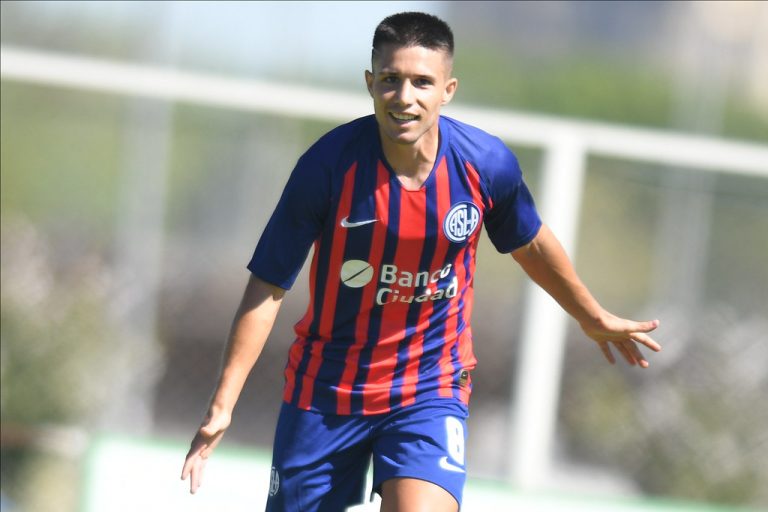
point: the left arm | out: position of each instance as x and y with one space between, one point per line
547 264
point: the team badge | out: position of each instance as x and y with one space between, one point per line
461 221
274 481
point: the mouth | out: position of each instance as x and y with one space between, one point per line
401 118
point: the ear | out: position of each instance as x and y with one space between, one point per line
369 82
450 90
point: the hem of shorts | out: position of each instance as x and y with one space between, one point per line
377 486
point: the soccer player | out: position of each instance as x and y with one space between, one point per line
380 369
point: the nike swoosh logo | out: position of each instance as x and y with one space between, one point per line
450 466
346 224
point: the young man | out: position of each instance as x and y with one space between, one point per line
393 204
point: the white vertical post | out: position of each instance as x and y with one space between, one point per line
139 242
537 383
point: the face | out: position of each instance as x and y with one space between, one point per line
408 86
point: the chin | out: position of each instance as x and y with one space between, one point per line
405 139
400 136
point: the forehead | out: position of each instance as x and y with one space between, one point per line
416 60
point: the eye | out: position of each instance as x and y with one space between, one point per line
389 79
422 82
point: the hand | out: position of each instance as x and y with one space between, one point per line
625 335
202 446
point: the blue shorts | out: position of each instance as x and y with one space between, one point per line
320 461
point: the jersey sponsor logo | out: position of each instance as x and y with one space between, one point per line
461 221
409 282
346 223
397 285
356 273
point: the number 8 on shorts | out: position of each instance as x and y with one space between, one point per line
455 435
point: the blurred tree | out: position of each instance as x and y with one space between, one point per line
56 360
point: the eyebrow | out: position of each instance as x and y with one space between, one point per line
389 71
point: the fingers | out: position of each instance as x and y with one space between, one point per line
186 469
627 353
647 341
626 336
208 436
206 439
193 469
628 350
606 350
636 354
197 475
197 454
638 327
192 454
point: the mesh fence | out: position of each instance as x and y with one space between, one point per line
690 427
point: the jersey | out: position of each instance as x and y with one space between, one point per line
391 278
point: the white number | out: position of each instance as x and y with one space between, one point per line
455 432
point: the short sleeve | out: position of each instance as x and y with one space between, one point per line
296 223
512 221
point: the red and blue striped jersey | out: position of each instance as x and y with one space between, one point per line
391 278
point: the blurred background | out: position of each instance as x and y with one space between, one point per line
127 222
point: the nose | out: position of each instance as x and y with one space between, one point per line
405 92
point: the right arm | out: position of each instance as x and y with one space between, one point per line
250 329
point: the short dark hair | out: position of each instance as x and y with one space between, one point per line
408 29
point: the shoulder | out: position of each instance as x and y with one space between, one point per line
321 169
343 141
487 153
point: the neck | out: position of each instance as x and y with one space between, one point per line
412 163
